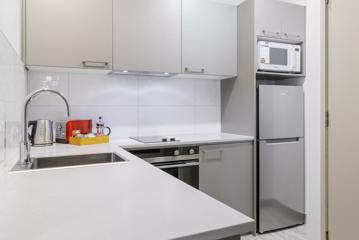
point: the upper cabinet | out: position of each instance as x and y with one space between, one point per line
147 35
209 38
293 21
267 17
68 33
279 19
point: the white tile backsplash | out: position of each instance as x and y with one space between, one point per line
13 131
207 119
207 92
134 105
103 90
2 131
166 92
155 120
55 81
121 119
55 112
12 93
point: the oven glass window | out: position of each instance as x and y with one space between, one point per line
278 56
188 175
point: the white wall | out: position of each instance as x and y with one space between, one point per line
10 22
132 105
315 105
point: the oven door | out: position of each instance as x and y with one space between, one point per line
186 171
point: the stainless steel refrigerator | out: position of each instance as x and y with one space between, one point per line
280 157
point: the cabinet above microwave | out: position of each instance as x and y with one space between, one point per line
279 19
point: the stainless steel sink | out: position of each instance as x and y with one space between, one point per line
65 161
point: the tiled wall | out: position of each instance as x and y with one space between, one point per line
132 105
12 93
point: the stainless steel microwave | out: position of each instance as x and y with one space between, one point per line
279 57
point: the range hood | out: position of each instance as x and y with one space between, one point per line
142 73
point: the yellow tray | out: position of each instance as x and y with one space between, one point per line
89 141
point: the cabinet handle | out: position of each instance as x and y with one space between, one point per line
281 141
292 36
94 64
205 152
194 70
273 34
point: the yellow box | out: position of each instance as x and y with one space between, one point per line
89 141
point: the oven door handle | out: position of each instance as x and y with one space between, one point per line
181 165
171 158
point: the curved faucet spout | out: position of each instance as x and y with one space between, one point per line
28 100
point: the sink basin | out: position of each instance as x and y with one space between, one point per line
65 161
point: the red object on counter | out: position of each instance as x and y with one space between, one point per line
84 126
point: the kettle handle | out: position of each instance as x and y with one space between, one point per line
33 125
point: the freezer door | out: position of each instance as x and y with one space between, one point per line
281 111
281 184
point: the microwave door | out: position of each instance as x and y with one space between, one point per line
279 56
273 57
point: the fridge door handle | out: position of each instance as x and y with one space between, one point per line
281 141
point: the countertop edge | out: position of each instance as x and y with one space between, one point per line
186 143
222 233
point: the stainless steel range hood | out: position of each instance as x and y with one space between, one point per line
142 73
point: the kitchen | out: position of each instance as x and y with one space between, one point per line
176 90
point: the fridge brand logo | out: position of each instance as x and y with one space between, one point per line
283 94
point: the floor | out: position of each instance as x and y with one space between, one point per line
290 234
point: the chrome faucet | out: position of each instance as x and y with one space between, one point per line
28 100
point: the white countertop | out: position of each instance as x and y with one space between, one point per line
125 200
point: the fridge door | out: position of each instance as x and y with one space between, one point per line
281 111
281 184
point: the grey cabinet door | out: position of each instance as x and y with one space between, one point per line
281 111
281 184
147 35
275 18
67 33
268 18
226 174
209 36
293 21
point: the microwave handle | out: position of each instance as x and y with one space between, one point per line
294 59
291 59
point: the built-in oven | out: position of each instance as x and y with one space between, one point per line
180 162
